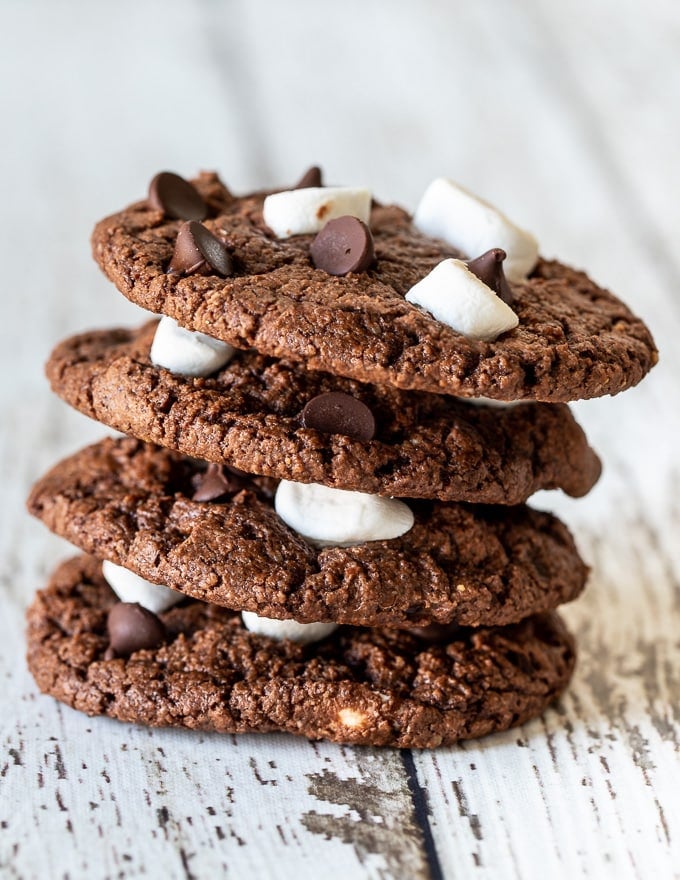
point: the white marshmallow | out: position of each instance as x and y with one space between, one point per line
300 211
455 296
473 226
130 587
330 517
187 352
287 629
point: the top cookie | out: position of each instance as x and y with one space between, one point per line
573 340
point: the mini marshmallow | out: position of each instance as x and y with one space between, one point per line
473 226
304 633
300 211
455 296
329 517
130 587
186 352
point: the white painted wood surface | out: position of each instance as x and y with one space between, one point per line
566 116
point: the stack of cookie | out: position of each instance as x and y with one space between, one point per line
317 521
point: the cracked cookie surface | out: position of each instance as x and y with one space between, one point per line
130 502
574 340
374 687
249 415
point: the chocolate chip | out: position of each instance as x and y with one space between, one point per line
339 413
197 249
176 197
311 177
343 245
214 482
437 633
132 628
489 269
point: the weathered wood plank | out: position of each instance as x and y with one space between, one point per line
563 115
107 799
591 790
596 779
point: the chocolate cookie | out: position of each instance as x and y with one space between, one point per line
574 339
373 687
251 414
130 503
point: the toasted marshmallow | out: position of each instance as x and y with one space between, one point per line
287 629
301 211
330 517
473 226
130 587
186 352
455 296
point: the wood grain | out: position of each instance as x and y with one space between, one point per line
566 116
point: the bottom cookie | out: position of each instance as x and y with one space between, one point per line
377 686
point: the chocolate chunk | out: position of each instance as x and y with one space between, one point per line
311 177
489 269
198 249
437 633
176 197
133 628
343 245
220 482
216 481
339 413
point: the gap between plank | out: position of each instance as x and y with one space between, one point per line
422 814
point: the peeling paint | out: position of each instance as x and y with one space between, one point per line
378 820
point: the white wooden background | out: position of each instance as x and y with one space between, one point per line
566 116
